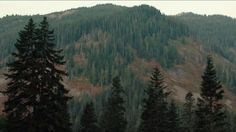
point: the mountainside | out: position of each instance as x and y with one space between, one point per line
106 40
217 34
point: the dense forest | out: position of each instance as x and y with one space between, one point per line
217 33
115 48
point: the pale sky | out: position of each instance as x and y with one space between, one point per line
167 7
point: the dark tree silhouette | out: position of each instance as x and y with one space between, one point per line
18 107
188 117
89 119
50 110
37 100
210 112
113 117
154 117
173 118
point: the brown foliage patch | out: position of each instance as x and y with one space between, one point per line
78 85
81 60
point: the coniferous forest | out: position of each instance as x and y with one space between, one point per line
118 69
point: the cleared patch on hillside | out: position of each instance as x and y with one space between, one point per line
80 59
184 77
79 85
96 39
142 68
187 76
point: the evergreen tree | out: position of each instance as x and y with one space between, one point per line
173 119
37 100
211 116
3 123
18 106
154 117
89 119
188 113
233 122
50 107
113 117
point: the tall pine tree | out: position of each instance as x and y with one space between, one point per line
154 117
113 117
88 121
18 107
37 100
210 111
173 118
188 117
50 109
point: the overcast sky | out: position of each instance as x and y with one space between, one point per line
168 7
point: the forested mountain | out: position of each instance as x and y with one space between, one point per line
107 40
217 34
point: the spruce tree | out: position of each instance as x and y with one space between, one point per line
37 100
113 117
188 117
18 107
50 108
173 118
233 122
88 121
154 117
210 112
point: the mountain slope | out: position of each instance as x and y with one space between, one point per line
106 40
217 35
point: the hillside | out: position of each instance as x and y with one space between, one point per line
106 40
217 34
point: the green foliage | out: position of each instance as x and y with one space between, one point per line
141 29
188 116
51 93
210 112
216 33
37 100
113 117
88 119
109 38
3 123
17 91
233 122
173 118
154 117
76 106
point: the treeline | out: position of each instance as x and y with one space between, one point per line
132 32
217 33
160 113
117 39
109 39
36 97
140 31
150 40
